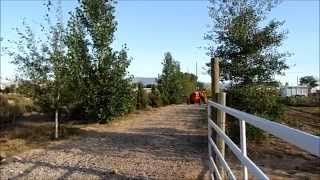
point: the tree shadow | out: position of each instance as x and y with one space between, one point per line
101 173
159 142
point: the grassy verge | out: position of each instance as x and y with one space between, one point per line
38 132
303 118
31 136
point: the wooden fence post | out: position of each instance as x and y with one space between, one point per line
215 77
221 122
220 116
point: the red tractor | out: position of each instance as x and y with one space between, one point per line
198 97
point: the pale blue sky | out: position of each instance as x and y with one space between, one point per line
150 28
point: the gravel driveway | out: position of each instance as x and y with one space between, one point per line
163 143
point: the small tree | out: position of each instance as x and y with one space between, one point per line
155 97
142 97
248 52
189 83
170 81
110 91
309 81
42 61
258 99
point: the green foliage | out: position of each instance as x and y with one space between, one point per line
42 61
25 104
189 83
260 100
113 93
200 85
306 101
155 97
170 81
248 52
80 67
11 108
310 81
76 66
142 97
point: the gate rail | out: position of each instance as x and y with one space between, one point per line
303 140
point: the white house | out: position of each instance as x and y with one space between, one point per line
287 91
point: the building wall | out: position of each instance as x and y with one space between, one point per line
288 91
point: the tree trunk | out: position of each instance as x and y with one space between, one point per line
56 134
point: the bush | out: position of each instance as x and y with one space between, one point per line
25 103
9 111
142 97
260 100
155 97
4 108
309 101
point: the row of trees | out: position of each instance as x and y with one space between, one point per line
74 68
173 86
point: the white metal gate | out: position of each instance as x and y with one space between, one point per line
305 141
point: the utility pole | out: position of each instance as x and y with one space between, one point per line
197 69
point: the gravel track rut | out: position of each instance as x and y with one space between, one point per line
163 143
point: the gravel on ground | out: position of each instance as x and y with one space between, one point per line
164 143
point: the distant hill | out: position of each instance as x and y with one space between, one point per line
145 80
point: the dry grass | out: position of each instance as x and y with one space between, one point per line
31 136
35 133
303 118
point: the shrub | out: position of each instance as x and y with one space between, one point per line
10 111
155 97
260 100
142 97
25 103
301 101
4 108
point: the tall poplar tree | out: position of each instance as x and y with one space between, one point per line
248 49
170 81
113 91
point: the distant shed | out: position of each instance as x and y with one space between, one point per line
288 91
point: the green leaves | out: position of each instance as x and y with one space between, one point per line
258 99
142 97
155 97
248 51
76 66
107 88
310 81
170 81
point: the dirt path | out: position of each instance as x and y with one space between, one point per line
164 143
